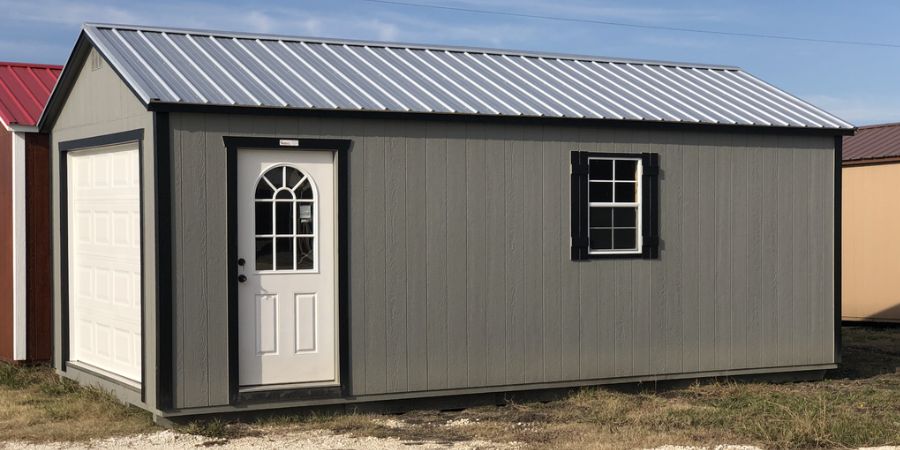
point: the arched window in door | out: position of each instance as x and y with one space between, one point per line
285 222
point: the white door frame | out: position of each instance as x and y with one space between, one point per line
341 149
62 186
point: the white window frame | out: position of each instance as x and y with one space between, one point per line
637 203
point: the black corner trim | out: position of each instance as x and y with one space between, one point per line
342 148
838 251
165 392
136 135
580 241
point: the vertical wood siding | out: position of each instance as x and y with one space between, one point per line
459 243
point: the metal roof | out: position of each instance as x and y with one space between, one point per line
222 68
24 90
873 142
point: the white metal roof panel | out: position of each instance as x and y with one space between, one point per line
221 68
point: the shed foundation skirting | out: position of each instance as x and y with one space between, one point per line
463 398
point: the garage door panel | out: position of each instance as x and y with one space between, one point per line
106 265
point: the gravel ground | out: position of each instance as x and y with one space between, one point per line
313 440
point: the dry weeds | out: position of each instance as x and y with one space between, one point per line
856 406
37 406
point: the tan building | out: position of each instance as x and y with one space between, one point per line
871 242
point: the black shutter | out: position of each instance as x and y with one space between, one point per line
650 205
580 239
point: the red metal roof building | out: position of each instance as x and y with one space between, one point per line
24 90
872 144
25 333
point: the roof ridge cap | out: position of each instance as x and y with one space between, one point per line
386 44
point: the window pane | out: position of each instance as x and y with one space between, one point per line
600 192
601 239
276 176
601 169
284 218
305 253
626 170
304 218
625 217
263 218
284 253
304 191
625 238
284 195
601 217
293 176
263 190
626 192
264 254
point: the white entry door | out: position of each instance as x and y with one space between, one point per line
105 259
286 291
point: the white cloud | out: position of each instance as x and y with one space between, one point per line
592 11
859 110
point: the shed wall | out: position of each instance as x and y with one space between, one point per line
38 237
459 255
100 104
871 243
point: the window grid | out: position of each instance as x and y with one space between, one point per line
613 205
302 243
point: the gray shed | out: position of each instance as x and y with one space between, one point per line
253 222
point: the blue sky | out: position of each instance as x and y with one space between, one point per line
857 83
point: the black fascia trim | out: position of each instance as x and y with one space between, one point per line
342 149
165 374
64 84
579 207
84 144
838 252
479 118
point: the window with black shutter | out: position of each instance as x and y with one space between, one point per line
614 205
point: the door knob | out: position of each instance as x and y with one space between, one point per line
242 278
241 262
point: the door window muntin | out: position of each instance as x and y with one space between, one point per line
304 213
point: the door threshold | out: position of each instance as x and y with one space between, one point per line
284 387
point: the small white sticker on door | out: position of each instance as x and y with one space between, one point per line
289 143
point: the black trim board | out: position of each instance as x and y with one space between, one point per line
342 149
85 144
165 392
194 108
838 254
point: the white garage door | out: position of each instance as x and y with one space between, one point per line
105 259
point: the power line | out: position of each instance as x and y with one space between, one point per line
631 25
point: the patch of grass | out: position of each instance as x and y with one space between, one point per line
36 405
215 429
856 406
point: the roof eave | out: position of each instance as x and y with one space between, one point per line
164 106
